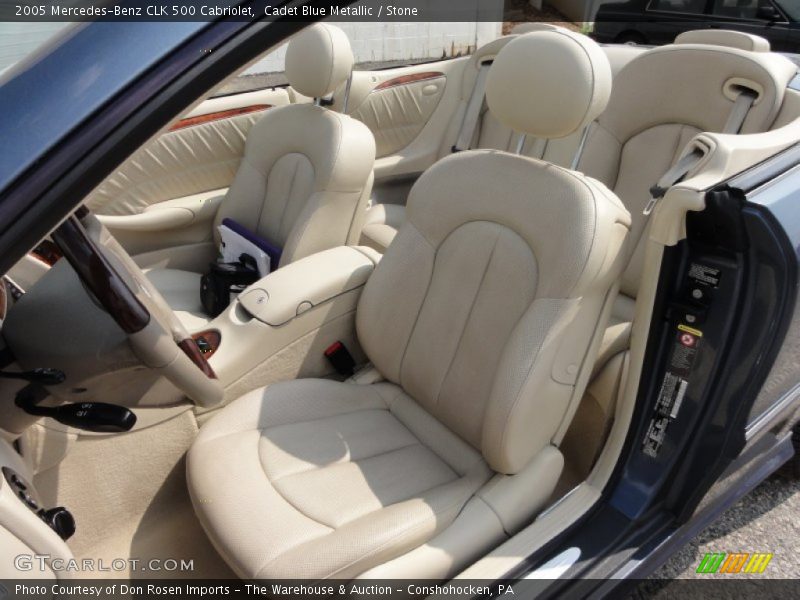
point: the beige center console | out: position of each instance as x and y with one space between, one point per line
279 327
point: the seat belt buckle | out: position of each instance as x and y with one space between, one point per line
656 193
454 149
341 359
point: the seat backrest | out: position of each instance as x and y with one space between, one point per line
485 306
489 133
662 99
306 174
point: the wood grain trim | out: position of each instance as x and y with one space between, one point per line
47 252
216 116
214 339
406 79
100 276
190 349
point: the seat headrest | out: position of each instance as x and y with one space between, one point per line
695 85
318 60
548 84
724 37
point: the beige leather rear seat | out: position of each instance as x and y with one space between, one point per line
659 102
383 220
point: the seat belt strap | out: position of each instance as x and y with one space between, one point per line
677 172
473 110
741 108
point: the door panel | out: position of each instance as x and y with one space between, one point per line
408 110
398 109
201 152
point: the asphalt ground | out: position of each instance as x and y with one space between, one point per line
767 520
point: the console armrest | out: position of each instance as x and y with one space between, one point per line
291 290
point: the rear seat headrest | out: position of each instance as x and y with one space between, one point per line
548 84
695 85
724 37
318 60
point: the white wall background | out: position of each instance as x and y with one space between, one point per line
372 42
377 42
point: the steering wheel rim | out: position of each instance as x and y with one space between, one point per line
156 335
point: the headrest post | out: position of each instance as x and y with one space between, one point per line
346 101
576 159
520 143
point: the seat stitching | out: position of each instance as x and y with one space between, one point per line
296 235
285 499
289 197
478 456
347 462
376 550
262 429
469 315
518 394
402 533
315 419
457 477
421 305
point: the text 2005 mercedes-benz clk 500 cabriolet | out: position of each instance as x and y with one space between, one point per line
529 312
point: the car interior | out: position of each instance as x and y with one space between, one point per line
436 373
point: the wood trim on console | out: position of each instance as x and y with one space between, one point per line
406 79
212 337
216 116
190 349
47 252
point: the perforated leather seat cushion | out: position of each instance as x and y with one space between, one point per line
327 479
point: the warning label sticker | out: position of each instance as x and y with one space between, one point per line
704 274
673 387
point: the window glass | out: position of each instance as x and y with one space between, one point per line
791 8
735 9
695 7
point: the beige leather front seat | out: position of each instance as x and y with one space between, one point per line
306 174
483 317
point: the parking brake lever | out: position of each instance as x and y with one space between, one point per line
90 416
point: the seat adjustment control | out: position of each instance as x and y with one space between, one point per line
59 519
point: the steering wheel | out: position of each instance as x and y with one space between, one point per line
153 330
